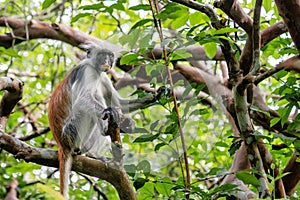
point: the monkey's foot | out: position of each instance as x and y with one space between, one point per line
76 152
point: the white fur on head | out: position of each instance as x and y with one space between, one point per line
102 44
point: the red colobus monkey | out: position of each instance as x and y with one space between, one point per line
76 107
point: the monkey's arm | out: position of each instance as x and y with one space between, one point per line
129 105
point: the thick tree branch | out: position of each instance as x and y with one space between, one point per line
289 10
292 63
292 179
256 38
46 157
247 133
272 32
235 11
13 93
37 30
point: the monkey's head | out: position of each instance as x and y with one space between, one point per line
101 59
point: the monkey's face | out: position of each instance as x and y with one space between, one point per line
107 61
102 58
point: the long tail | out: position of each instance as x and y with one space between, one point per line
65 165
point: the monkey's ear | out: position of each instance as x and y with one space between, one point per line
87 46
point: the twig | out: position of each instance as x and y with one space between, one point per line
35 134
159 30
95 186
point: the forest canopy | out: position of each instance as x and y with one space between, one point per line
224 76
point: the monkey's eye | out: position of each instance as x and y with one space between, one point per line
88 52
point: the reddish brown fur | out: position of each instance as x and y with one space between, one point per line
57 113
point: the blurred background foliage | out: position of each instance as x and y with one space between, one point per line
153 157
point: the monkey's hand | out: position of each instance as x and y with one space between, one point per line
113 117
163 95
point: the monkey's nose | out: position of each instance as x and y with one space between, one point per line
105 67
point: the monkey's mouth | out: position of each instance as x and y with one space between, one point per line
105 67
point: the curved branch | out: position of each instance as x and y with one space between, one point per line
235 11
47 157
13 93
37 29
289 11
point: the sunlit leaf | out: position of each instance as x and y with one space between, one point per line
248 178
50 192
210 49
140 23
274 121
141 7
47 3
9 52
96 6
129 59
80 15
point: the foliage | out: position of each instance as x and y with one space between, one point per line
154 153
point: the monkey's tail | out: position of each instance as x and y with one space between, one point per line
65 166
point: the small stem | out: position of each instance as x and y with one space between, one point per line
158 26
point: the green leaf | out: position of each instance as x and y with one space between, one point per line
118 6
145 42
297 144
210 49
247 178
140 23
223 189
221 144
164 186
9 52
274 121
145 138
129 59
145 166
130 169
47 3
281 74
267 4
179 22
285 113
50 192
141 7
153 125
139 183
291 80
96 6
140 130
197 18
222 31
235 146
146 192
80 15
255 108
187 91
181 54
159 145
130 39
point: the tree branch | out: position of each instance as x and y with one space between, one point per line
289 11
37 29
46 157
235 11
13 93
